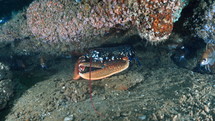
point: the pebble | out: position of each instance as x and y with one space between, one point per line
206 108
203 113
142 117
78 1
175 118
69 118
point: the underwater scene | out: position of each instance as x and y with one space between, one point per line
107 60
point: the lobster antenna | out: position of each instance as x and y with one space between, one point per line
90 90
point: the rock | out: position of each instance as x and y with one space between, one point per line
64 21
6 90
206 108
6 86
69 118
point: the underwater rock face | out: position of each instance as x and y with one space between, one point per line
201 22
207 29
202 26
6 87
5 92
66 20
59 27
14 29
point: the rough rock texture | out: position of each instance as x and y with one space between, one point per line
65 20
58 27
202 21
6 87
14 29
207 30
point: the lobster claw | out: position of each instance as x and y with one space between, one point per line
102 70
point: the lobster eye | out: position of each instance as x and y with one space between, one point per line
205 59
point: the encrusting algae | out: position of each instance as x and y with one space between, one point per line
66 20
